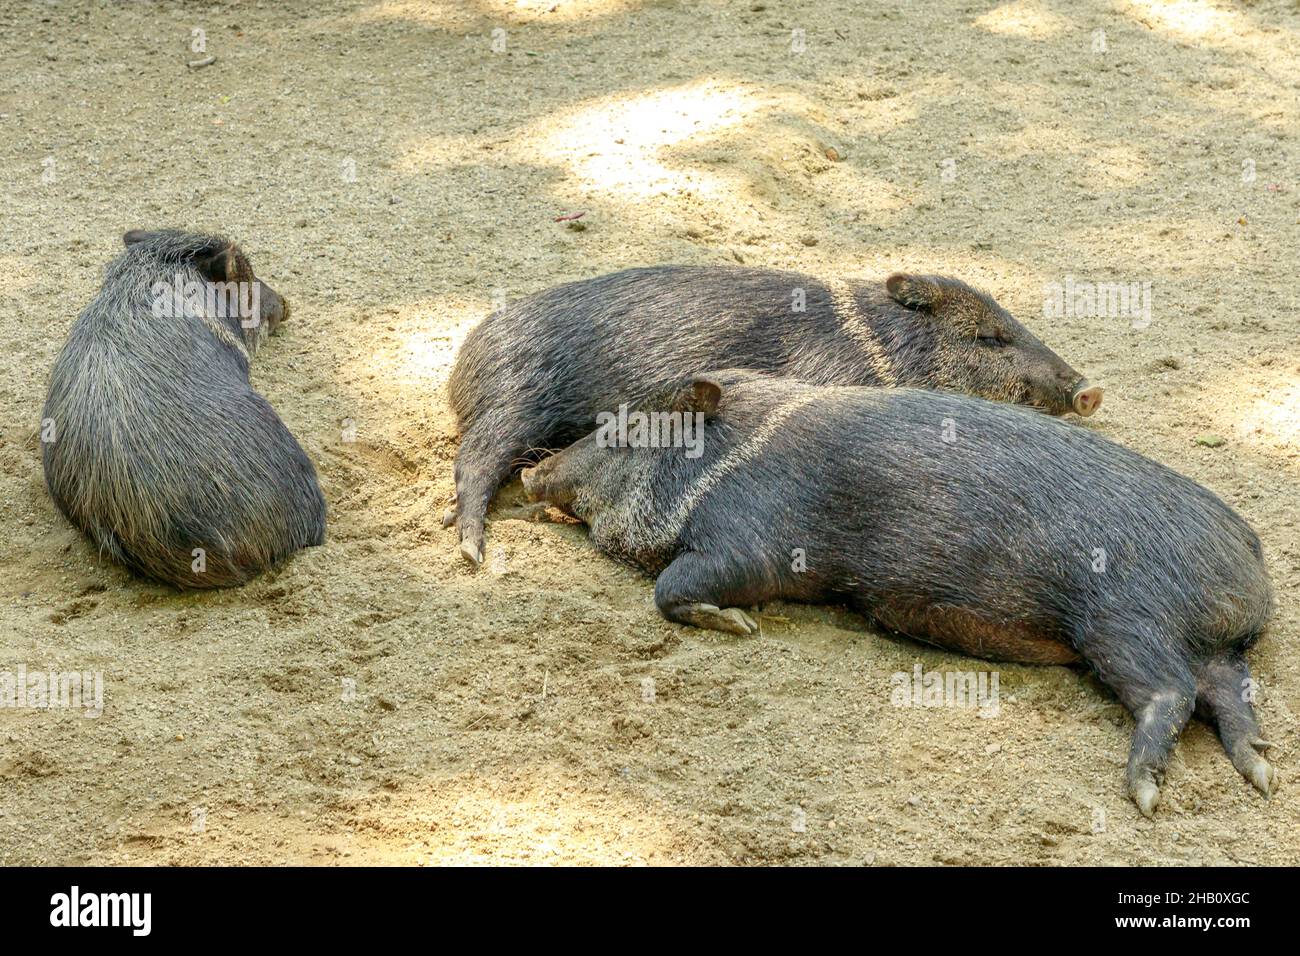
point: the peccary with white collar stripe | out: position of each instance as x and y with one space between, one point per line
155 444
535 374
969 524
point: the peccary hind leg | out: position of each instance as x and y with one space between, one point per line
1160 722
485 459
697 588
1160 694
1223 697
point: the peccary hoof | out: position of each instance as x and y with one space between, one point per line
1146 795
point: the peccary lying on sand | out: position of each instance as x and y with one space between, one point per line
535 374
968 524
155 445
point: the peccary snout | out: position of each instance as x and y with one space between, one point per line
275 309
558 479
1086 398
532 486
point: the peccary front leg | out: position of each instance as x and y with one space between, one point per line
1222 692
698 589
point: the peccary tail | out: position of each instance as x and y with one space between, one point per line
1223 697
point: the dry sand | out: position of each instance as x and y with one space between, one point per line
377 701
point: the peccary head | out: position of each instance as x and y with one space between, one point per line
232 296
976 346
559 478
594 474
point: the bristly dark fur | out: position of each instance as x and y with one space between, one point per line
536 373
973 525
160 445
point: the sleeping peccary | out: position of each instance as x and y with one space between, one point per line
535 374
969 524
155 444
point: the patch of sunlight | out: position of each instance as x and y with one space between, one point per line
618 144
719 155
416 348
1257 407
614 144
1186 19
1023 19
527 819
1275 417
556 9
424 355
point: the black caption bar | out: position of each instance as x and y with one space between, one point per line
335 905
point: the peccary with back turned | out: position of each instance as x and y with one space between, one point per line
535 374
155 444
969 524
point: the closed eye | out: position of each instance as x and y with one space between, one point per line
992 340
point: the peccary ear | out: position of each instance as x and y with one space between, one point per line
912 291
218 265
134 236
698 395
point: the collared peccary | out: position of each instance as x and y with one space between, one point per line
535 375
965 523
155 444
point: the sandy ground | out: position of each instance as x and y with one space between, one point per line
377 701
